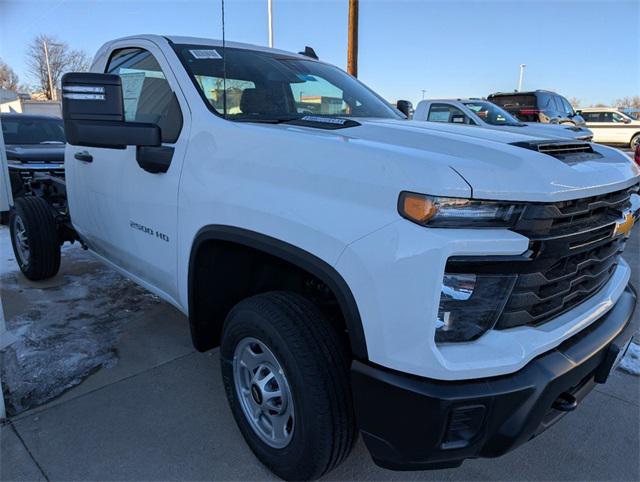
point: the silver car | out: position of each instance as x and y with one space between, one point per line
488 115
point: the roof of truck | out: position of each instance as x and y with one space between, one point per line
179 39
524 92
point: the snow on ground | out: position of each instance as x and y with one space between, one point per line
631 361
68 327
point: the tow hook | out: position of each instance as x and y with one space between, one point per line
565 402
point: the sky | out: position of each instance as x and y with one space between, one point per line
587 49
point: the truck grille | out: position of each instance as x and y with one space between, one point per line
573 254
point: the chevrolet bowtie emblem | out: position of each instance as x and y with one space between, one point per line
624 225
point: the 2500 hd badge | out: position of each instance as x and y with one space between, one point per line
149 231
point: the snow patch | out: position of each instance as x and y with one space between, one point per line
69 330
631 361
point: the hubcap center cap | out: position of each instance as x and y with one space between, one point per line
255 393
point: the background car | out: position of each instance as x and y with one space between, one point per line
486 114
611 126
34 146
538 106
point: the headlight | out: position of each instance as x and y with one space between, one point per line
470 305
445 212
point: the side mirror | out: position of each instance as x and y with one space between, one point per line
627 121
93 113
405 107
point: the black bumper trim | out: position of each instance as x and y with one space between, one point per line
404 418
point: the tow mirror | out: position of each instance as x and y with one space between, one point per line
405 107
93 113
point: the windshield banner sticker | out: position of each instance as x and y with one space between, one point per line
201 54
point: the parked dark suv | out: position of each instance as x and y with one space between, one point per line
538 106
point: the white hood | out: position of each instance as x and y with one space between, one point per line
488 162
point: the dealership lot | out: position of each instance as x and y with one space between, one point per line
159 411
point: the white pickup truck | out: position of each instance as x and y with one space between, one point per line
444 295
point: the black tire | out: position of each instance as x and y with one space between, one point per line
635 142
316 365
4 218
35 218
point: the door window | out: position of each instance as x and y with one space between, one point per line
447 113
592 116
567 106
146 92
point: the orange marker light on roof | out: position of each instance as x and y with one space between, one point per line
417 207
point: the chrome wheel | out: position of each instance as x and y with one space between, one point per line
263 391
21 240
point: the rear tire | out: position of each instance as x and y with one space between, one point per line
288 332
635 142
34 237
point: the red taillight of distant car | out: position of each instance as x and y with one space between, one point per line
637 155
529 111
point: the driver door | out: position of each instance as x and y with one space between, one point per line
126 212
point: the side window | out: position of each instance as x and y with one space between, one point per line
447 113
555 104
566 106
617 117
607 117
146 92
591 116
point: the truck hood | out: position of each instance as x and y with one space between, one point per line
39 153
549 130
493 167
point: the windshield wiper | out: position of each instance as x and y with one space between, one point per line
267 120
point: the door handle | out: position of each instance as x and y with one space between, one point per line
83 156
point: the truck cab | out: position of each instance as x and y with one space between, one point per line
446 294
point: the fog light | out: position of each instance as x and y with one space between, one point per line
463 426
470 305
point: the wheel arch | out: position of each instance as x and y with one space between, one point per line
204 339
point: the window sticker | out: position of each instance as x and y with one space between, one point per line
131 89
327 120
201 54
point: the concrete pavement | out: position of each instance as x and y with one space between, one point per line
160 414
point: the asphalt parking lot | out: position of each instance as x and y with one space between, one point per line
156 409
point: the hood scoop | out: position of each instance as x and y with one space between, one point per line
570 152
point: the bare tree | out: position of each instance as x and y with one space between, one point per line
628 102
575 102
60 57
8 78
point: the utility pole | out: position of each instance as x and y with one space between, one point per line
270 11
423 92
352 48
46 57
522 66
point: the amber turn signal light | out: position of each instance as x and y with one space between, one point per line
416 207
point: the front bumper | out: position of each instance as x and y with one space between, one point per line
411 423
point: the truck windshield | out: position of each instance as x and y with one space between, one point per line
492 114
32 130
271 86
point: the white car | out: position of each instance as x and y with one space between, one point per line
610 126
446 295
479 112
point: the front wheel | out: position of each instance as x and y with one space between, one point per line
34 237
286 375
635 142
